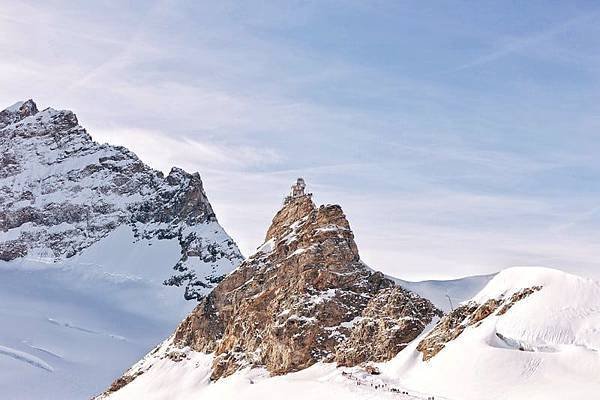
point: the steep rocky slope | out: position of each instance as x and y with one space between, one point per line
61 192
304 297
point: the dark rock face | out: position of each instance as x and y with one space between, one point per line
61 192
17 113
11 249
304 297
392 319
120 382
468 314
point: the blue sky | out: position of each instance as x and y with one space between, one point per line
459 137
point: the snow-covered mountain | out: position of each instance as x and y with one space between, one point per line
62 192
98 254
531 333
304 317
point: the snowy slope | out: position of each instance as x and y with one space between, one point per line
545 347
77 324
188 377
97 252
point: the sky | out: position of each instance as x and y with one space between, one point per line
460 138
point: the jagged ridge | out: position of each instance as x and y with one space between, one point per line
61 192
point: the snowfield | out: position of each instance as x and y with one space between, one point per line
447 293
70 328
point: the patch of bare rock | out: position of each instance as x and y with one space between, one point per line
472 313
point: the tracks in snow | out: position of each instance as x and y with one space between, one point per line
26 358
90 331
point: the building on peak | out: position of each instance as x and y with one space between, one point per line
297 191
298 188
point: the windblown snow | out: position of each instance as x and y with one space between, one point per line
72 326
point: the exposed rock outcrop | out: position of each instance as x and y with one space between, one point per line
61 192
391 320
17 112
291 304
472 313
304 297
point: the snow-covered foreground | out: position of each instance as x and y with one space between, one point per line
545 347
68 329
189 379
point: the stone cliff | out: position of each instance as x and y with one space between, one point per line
304 297
61 192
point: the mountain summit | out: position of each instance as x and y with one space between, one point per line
61 192
98 254
304 297
17 112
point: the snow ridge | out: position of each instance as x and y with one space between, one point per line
531 333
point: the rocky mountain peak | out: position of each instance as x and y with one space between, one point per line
28 108
61 192
300 229
294 209
17 112
304 297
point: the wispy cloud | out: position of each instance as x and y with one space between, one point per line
165 151
440 175
523 43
